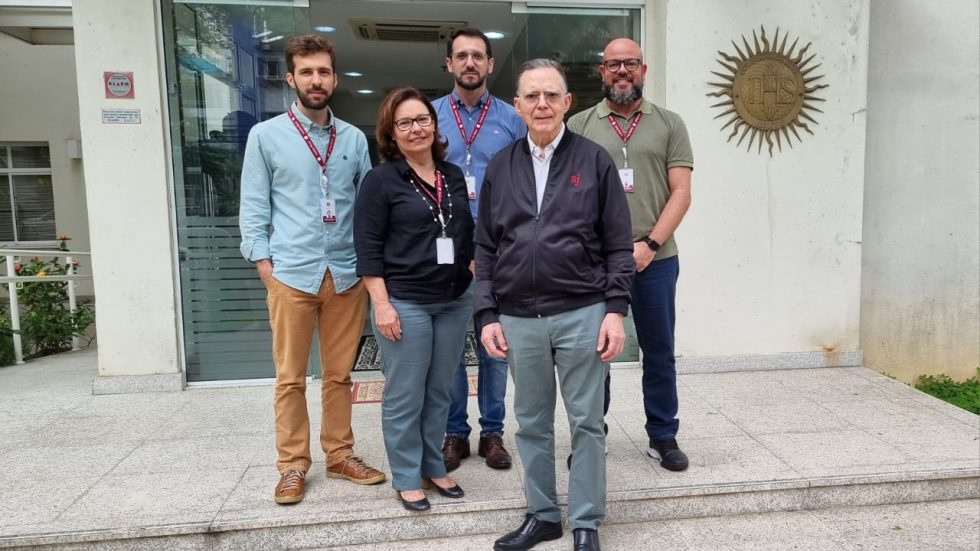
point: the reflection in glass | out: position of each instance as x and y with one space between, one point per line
225 73
34 198
221 84
30 156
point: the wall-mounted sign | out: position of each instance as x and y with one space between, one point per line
121 116
769 91
118 85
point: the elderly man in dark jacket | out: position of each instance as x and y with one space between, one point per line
554 264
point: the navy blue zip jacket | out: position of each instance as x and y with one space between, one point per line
575 252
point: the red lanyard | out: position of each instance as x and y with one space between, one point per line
479 121
320 159
619 131
476 129
438 196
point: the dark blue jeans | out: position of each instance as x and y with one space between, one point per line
652 305
491 389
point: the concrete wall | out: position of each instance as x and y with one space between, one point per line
38 87
921 285
127 169
770 251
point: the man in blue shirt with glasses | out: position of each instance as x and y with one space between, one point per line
477 125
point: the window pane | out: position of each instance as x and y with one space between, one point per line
30 156
3 157
34 201
6 217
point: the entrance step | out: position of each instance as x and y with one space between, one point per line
488 517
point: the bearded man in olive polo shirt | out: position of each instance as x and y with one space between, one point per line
651 147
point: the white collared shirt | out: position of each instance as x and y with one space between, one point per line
541 159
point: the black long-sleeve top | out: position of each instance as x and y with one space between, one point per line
395 233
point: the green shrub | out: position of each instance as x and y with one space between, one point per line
6 338
965 394
47 325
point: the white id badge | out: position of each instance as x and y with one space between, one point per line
444 251
471 186
328 209
626 175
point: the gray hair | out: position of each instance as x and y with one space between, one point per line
542 63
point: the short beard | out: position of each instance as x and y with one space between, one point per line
622 98
470 85
306 102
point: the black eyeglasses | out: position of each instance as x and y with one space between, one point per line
406 124
631 64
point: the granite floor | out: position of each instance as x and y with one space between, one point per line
934 526
203 459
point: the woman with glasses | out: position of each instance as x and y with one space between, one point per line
413 233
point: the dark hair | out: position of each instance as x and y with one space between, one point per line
308 44
540 63
467 31
387 147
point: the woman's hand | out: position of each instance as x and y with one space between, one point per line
386 320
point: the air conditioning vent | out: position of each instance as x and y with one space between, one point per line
405 31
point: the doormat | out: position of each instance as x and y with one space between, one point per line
369 392
368 356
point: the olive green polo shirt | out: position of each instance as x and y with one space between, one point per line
659 142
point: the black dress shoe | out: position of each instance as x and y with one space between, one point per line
453 491
532 532
585 539
414 506
671 457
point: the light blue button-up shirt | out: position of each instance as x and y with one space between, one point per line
280 214
502 127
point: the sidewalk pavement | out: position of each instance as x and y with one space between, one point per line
198 466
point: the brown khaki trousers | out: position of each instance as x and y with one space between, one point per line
339 318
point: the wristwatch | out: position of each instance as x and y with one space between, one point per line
654 246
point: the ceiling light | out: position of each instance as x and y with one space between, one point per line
494 35
353 74
365 91
324 29
272 39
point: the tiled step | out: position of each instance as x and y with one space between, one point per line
390 524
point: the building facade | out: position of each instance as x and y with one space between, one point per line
860 237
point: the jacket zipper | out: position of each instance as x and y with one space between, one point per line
534 266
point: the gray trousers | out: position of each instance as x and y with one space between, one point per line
418 370
538 348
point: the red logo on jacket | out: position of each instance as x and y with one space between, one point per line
576 179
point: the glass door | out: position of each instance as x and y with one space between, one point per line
225 73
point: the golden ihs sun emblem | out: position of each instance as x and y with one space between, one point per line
770 91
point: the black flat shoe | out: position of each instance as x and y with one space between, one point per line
532 532
454 491
414 506
585 539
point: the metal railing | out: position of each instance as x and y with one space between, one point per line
12 279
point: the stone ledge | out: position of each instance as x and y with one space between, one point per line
448 520
128 384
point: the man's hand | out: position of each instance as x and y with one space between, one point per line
642 255
386 319
264 267
493 340
612 336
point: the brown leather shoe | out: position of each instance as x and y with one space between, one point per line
290 487
357 471
454 450
492 447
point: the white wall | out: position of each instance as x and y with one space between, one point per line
39 105
127 168
770 251
921 284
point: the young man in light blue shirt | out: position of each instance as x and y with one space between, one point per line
299 179
477 126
